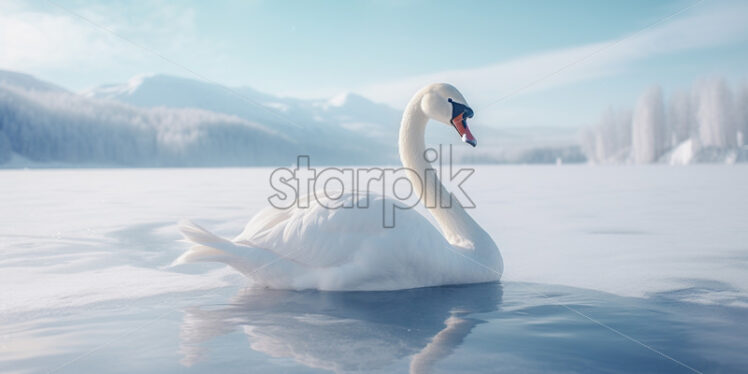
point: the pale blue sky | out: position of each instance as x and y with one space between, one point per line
385 49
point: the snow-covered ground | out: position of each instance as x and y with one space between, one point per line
72 238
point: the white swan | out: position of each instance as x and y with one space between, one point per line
349 249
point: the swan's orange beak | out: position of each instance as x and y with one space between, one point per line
460 123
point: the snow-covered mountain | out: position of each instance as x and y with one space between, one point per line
349 123
170 91
42 123
357 124
28 82
161 120
169 121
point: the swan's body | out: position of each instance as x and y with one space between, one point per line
349 249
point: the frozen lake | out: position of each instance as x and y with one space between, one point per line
607 269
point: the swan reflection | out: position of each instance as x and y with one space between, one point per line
345 331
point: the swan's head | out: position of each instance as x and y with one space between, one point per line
444 103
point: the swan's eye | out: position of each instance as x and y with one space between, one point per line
460 109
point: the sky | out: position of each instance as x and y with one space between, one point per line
532 63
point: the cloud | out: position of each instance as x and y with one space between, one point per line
51 42
706 25
31 39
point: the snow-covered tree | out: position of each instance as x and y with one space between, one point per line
715 115
741 111
705 123
648 127
681 117
610 138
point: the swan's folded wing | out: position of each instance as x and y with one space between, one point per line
322 237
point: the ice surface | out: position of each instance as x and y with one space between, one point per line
658 252
627 231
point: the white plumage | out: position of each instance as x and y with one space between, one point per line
350 249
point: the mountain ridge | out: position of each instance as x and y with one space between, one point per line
41 122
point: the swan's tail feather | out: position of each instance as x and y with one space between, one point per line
200 253
252 262
198 235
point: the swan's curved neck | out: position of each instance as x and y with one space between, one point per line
456 225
